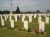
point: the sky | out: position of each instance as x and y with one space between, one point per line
25 5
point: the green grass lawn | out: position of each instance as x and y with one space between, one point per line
8 32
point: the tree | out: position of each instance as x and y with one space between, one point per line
37 11
0 12
17 10
6 12
48 10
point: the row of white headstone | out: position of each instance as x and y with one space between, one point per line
23 16
41 23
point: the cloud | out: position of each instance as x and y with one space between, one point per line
25 5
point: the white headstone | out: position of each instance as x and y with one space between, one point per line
23 18
26 25
1 17
45 15
2 21
27 15
19 15
39 19
42 14
47 19
30 18
35 15
39 14
10 18
5 17
48 14
41 27
16 17
12 23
